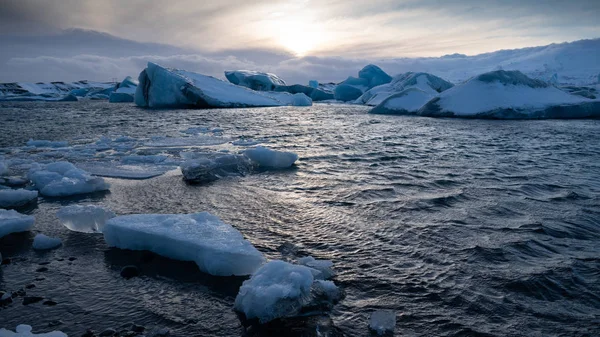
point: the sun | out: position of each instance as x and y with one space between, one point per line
298 42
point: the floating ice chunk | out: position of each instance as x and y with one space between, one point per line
325 267
16 198
211 166
247 142
108 169
43 242
14 222
216 247
268 158
63 179
327 290
199 140
25 331
383 322
254 80
277 289
86 219
46 143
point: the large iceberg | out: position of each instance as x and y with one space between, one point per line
428 83
12 221
124 91
406 102
254 80
509 95
368 77
15 198
216 247
63 179
169 88
53 91
281 289
86 219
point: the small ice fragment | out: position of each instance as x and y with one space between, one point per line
15 198
323 266
383 322
268 158
63 179
85 219
12 221
43 242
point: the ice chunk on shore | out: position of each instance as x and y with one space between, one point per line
63 179
268 158
166 88
216 247
15 198
324 267
509 95
254 80
383 322
12 221
277 289
43 242
23 330
85 219
47 143
213 166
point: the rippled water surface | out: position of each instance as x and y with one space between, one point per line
463 227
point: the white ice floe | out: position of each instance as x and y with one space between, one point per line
86 219
281 289
114 170
216 247
267 158
168 88
47 143
254 80
324 267
209 167
63 179
15 198
14 222
383 322
509 94
23 330
43 242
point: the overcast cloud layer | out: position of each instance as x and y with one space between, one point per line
284 36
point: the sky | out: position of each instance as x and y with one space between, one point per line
63 38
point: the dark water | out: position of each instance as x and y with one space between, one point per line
463 227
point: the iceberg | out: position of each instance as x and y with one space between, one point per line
301 99
428 83
368 77
315 94
281 289
509 95
52 91
12 221
23 330
216 247
61 179
313 84
406 102
254 80
16 198
43 242
171 88
124 91
85 219
383 322
209 167
267 158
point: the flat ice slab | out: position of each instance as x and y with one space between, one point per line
43 242
216 247
85 219
25 331
63 179
12 221
383 322
16 198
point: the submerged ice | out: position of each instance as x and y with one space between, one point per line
84 218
